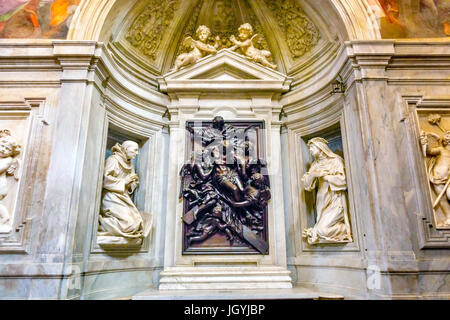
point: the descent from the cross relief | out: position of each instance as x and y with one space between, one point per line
245 43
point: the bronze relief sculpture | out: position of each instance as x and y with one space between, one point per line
226 189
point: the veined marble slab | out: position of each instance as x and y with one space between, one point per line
265 294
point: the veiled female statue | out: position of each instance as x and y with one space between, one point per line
327 173
119 217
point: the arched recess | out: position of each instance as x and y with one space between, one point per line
94 19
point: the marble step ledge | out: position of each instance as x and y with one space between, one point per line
297 293
224 270
225 278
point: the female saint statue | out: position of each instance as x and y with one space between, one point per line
328 174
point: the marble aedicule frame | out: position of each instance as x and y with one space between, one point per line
32 111
429 235
145 168
298 137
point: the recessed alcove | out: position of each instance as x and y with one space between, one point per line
334 137
141 195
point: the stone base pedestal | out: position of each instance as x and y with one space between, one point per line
225 278
110 241
297 293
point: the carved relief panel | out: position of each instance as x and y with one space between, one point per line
11 141
225 188
434 138
326 184
427 122
124 216
21 136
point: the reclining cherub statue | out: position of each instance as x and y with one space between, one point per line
246 44
200 48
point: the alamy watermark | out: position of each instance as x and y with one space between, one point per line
74 280
373 277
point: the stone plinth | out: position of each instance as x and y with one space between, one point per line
223 294
226 278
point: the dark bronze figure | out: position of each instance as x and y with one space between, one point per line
225 187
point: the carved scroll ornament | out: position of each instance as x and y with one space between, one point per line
298 30
148 29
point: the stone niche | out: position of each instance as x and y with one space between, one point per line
305 214
228 85
219 240
334 137
140 196
434 138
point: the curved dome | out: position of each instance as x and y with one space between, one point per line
144 37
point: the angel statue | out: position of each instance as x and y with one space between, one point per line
9 165
327 172
246 44
120 222
438 166
200 48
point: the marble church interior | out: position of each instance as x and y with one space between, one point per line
286 148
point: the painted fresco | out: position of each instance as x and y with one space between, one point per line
413 18
36 18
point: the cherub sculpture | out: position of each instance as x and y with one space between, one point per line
328 174
200 48
119 217
438 167
246 44
9 165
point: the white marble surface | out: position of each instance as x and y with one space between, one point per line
386 80
266 294
251 92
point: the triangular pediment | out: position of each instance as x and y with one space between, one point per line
224 70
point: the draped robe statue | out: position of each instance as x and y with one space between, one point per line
328 174
120 221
